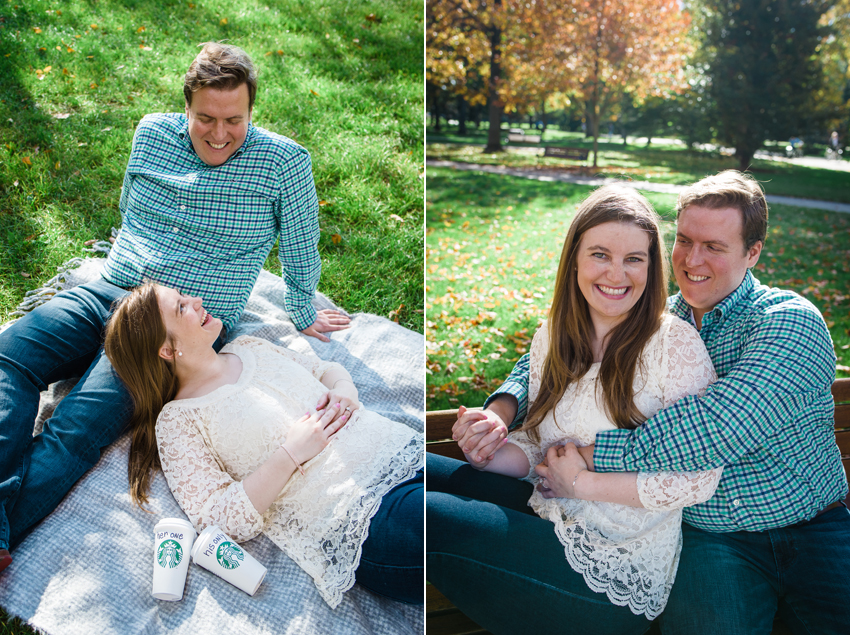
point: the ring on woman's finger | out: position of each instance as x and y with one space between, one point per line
348 408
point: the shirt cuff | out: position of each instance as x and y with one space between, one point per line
517 390
302 318
609 449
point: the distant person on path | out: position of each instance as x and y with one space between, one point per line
773 538
600 552
205 196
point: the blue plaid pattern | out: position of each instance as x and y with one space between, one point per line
769 418
207 230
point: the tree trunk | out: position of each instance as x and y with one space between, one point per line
543 117
437 110
745 158
461 115
496 107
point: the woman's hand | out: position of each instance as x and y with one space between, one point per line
311 433
479 434
559 471
344 396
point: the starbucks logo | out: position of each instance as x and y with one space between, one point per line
169 554
229 555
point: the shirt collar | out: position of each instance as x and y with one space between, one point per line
682 309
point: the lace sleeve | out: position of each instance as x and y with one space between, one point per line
207 494
672 490
686 367
312 363
539 349
686 370
531 449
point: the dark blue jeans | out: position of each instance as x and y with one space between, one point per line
735 583
58 340
393 560
503 565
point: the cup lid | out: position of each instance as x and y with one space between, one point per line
179 522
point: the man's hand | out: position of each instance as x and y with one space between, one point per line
479 433
327 320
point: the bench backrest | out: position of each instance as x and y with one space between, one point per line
566 153
438 426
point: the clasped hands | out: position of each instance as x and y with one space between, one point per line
559 472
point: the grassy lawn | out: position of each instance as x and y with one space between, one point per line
662 162
493 244
343 79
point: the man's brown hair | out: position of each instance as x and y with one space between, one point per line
734 189
223 67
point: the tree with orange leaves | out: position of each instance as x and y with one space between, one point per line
608 49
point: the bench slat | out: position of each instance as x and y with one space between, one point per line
841 390
579 154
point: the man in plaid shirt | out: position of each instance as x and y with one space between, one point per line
774 538
206 195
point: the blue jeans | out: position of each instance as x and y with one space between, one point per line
734 583
392 562
503 565
60 339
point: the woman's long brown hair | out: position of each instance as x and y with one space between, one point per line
134 335
570 329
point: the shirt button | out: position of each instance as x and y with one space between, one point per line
175 230
736 502
183 208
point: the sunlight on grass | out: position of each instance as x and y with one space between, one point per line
347 88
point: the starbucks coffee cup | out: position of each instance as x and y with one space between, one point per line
216 552
173 538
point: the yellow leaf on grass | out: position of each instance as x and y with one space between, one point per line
336 238
58 165
397 217
323 203
36 29
92 85
223 21
94 26
140 29
27 160
314 92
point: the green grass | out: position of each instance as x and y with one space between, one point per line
343 79
660 163
493 244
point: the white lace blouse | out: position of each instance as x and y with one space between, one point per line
209 444
628 553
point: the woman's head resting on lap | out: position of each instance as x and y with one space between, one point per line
610 293
145 336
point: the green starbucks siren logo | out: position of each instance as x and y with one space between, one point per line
229 555
169 554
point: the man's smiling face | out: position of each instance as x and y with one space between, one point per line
709 258
218 122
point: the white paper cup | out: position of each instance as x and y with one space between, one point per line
216 552
173 538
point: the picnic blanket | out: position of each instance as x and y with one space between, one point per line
87 568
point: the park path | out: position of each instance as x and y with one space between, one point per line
596 181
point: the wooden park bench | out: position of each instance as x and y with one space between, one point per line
579 154
443 618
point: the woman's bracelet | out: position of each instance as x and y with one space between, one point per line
584 469
297 464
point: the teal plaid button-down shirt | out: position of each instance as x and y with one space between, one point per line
769 418
206 230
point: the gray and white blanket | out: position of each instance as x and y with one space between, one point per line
87 568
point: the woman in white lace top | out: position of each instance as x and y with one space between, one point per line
261 439
608 356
